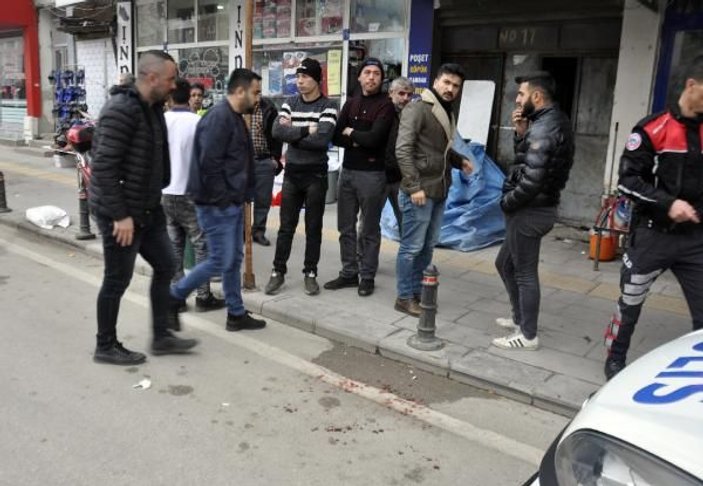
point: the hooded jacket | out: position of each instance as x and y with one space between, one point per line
130 164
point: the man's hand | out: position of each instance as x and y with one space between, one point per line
467 167
347 131
284 121
682 212
313 128
123 231
418 198
519 122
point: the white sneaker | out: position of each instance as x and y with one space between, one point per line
506 323
517 341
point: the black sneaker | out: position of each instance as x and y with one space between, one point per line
261 239
613 367
244 323
118 355
171 344
366 287
311 285
209 303
275 283
342 283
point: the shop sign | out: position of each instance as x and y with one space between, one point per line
238 51
125 58
419 60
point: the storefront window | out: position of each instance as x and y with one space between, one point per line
378 16
277 69
151 15
12 69
388 51
213 20
205 65
181 21
319 17
272 19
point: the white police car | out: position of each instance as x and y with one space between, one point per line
643 428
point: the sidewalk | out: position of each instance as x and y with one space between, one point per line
576 302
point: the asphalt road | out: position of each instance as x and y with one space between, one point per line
276 407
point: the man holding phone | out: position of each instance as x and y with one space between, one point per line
544 154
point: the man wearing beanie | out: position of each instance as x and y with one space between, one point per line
306 123
363 129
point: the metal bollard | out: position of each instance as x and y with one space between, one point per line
425 339
84 232
3 198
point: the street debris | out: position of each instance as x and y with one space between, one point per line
145 384
46 217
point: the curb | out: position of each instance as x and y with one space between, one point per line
455 361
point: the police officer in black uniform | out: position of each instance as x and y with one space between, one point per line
661 170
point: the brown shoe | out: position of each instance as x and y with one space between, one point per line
408 306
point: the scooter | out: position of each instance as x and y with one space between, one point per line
77 141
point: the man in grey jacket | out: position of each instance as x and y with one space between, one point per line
306 123
425 135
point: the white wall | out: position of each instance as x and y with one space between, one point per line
639 45
46 64
97 57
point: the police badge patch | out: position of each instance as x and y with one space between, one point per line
633 142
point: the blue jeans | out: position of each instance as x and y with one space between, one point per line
421 226
224 230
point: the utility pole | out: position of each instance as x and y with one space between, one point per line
249 278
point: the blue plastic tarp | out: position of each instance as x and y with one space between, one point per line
472 215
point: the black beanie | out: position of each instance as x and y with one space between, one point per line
372 61
310 67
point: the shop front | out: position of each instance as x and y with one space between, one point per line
338 33
20 93
577 41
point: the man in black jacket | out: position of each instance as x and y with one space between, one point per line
221 181
267 156
544 154
129 169
363 128
661 170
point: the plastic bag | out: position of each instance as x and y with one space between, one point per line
47 217
473 218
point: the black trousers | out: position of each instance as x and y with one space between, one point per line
151 241
651 253
298 191
518 262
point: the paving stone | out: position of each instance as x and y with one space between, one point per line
465 335
560 362
502 371
396 347
563 390
479 320
295 311
353 329
491 306
566 282
254 300
578 345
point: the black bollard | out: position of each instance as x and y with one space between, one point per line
3 198
84 232
425 339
